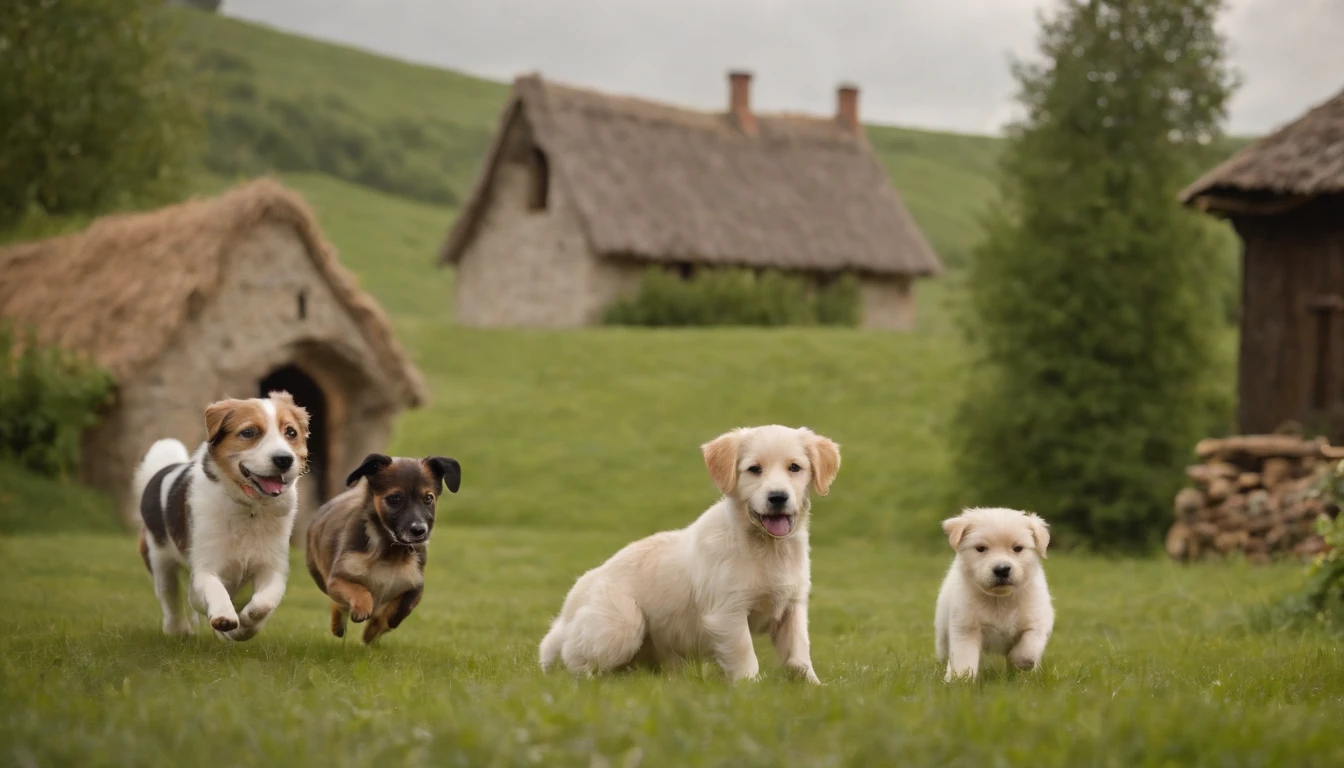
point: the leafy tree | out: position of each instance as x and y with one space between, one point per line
94 106
1093 301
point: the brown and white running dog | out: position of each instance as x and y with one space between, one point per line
224 514
367 546
742 568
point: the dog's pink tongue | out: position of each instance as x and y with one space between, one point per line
271 485
778 525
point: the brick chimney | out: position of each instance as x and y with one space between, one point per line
739 101
847 107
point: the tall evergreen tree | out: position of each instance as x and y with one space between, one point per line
1093 304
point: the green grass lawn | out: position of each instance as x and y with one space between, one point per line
1151 664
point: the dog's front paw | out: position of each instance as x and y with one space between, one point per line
749 673
178 627
361 608
373 631
224 623
1024 663
256 613
337 620
804 671
243 633
958 675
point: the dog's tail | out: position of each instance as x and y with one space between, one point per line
550 645
164 453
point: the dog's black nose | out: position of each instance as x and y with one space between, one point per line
418 529
1002 571
777 498
282 461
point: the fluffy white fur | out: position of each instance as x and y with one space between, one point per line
236 538
741 568
994 599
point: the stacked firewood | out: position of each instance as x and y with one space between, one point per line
1258 495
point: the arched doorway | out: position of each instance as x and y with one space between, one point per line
308 394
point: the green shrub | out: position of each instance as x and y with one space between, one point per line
1325 574
839 302
323 133
315 135
736 297
48 397
96 108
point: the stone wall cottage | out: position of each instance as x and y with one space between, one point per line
225 297
1284 194
581 191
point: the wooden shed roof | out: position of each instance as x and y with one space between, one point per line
662 183
1301 160
120 290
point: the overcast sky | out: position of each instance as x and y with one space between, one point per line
927 63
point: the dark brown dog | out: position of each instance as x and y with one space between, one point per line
366 547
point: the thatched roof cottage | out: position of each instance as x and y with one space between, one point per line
1284 194
581 191
225 297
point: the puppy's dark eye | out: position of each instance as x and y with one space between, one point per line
982 548
1018 548
754 469
248 434
392 499
429 498
291 433
795 468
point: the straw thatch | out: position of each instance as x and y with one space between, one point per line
660 183
1303 159
119 290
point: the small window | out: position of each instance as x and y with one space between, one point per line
303 305
539 178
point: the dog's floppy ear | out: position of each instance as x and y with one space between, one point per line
217 420
1040 532
956 528
372 465
824 455
721 459
445 470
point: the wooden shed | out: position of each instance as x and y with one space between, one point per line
1284 194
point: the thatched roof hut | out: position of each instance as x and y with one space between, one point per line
221 297
1284 194
587 188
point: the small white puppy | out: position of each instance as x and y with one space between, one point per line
742 568
994 599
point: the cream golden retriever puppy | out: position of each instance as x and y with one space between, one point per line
742 568
994 599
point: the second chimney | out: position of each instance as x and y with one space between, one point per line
847 107
739 101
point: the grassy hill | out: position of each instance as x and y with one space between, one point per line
421 120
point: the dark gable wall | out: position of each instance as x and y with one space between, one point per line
1291 363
